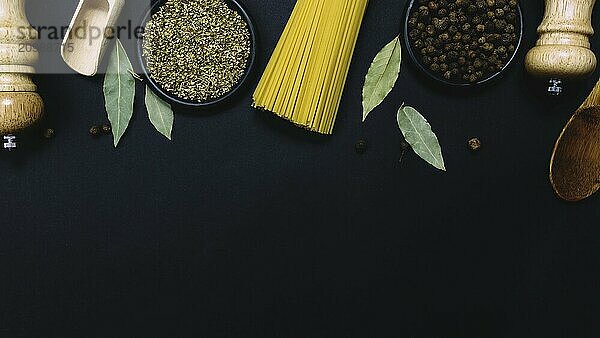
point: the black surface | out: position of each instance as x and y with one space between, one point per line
246 227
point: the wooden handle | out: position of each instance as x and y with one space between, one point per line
593 100
83 53
563 49
20 105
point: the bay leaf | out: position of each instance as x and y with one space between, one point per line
119 91
417 132
382 76
159 113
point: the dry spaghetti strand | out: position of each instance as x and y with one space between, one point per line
306 75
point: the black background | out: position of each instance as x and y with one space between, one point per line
246 227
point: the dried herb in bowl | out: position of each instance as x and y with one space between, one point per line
197 50
464 41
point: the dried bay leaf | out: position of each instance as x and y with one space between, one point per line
159 113
119 91
382 76
417 132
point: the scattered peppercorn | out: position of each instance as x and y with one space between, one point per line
474 144
476 37
49 133
361 147
95 130
106 129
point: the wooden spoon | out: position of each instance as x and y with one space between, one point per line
86 38
575 163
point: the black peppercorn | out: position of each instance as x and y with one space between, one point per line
464 40
412 22
500 25
482 6
430 30
414 34
49 133
453 18
361 147
424 14
511 17
95 130
474 144
106 128
487 46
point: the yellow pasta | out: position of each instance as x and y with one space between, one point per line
305 78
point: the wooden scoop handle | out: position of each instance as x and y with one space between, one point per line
86 39
563 49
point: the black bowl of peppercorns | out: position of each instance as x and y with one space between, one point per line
463 42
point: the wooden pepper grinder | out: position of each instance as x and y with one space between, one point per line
563 50
20 104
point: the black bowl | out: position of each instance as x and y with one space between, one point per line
163 93
439 78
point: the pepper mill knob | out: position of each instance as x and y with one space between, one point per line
563 50
20 104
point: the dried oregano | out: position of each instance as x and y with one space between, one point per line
196 49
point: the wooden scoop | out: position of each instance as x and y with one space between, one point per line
86 38
575 163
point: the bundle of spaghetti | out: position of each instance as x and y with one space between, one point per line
305 78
